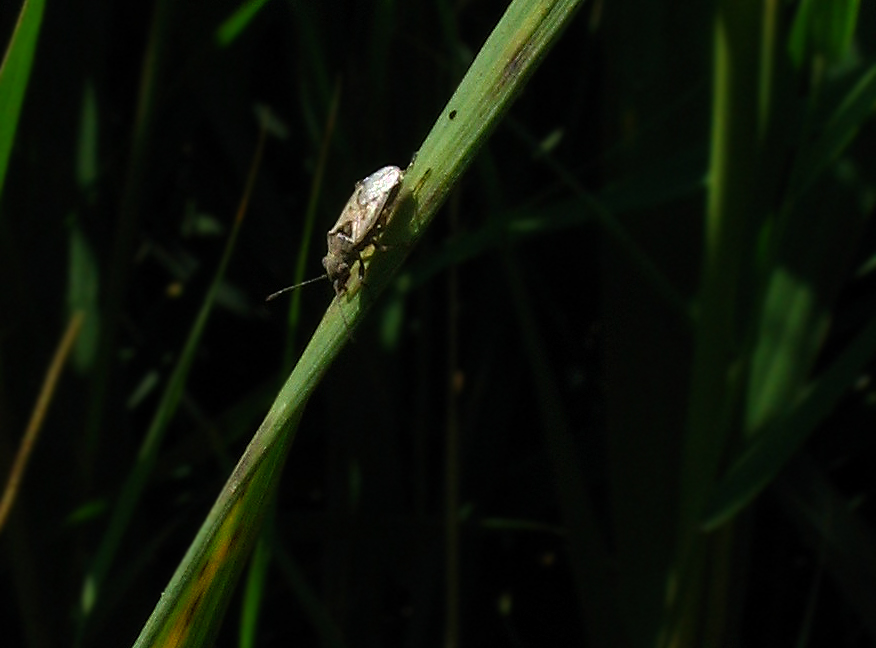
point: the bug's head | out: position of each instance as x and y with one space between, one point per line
337 270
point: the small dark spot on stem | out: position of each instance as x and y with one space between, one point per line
422 181
513 67
452 115
191 612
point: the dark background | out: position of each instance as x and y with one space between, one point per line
624 97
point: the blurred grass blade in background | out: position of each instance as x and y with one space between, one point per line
259 566
44 400
302 257
131 491
14 75
778 441
237 22
852 112
770 280
823 28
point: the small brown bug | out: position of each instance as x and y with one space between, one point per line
359 226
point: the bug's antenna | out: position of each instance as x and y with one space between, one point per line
298 285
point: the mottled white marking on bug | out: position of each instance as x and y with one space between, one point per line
360 224
358 227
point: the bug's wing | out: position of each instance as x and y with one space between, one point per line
376 191
344 224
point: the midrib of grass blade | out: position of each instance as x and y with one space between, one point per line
186 615
733 216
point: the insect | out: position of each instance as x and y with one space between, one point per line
358 227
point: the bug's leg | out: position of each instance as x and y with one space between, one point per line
376 244
341 291
362 283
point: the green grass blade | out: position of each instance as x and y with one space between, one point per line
237 22
188 613
792 328
855 108
194 602
136 481
823 27
511 53
501 69
134 484
14 75
256 579
303 255
734 214
731 225
83 277
777 442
